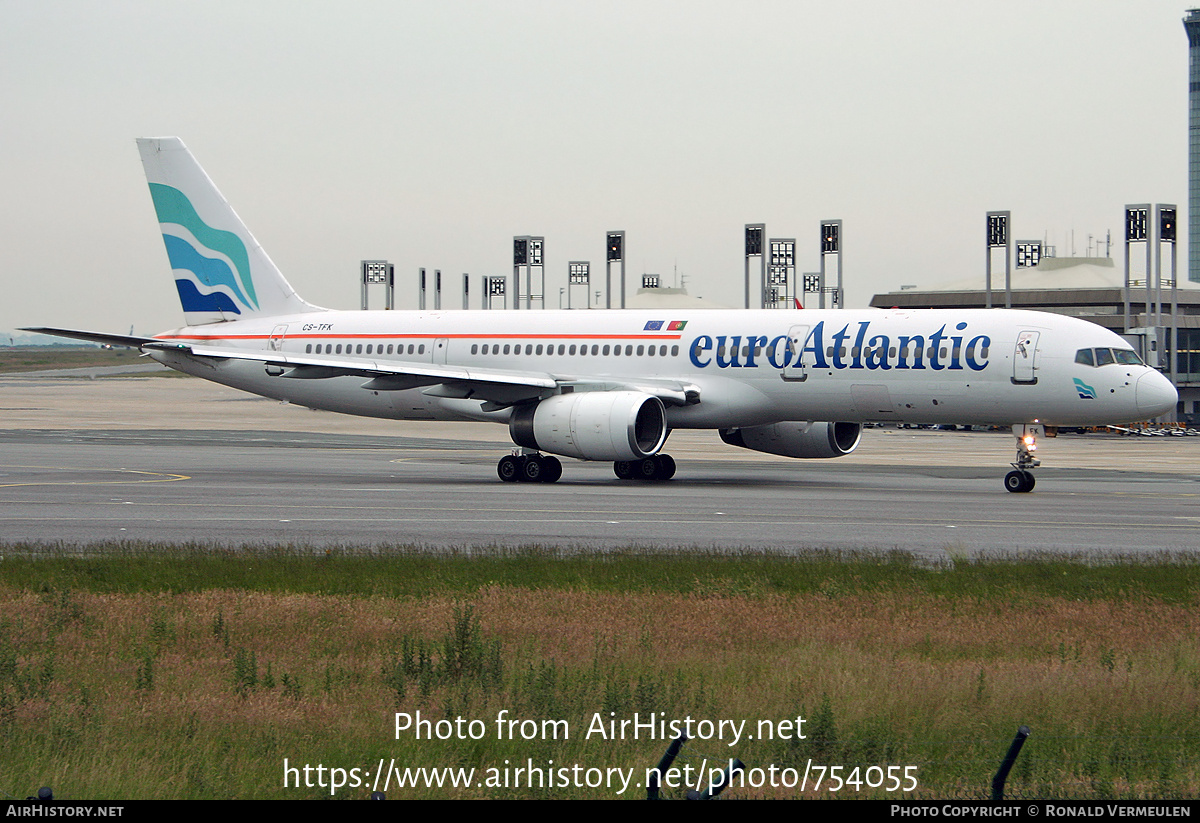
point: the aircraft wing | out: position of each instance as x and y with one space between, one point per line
500 387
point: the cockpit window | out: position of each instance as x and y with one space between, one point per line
1104 357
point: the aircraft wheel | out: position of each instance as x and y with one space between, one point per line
666 467
509 469
1018 481
533 471
551 469
647 469
623 469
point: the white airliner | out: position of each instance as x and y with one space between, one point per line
611 385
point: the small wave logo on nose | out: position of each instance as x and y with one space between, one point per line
1086 392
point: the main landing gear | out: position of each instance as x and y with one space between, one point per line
529 467
1020 479
658 467
534 467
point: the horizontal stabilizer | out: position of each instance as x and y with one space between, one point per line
95 337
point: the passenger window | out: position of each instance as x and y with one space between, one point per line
358 349
572 350
640 350
421 349
506 346
1084 357
596 350
474 348
674 351
339 348
605 352
308 349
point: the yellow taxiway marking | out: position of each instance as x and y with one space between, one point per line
152 477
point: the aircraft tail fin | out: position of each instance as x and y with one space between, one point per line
221 271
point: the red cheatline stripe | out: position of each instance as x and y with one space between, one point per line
426 337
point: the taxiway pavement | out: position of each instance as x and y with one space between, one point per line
181 460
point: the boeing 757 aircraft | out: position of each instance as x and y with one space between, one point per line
611 385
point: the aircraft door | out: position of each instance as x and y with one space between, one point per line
1025 358
440 345
277 335
794 371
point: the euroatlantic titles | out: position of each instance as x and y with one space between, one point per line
868 352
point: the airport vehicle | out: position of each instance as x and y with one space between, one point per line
611 385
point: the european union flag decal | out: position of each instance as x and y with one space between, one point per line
653 325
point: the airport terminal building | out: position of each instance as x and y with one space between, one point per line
1091 288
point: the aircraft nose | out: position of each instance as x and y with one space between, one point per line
1154 394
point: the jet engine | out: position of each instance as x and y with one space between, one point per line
797 439
596 425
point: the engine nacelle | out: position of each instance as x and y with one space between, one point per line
797 439
596 425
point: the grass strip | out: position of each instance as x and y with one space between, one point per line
136 670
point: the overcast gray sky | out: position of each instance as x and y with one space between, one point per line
429 133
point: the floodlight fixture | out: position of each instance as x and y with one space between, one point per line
754 239
1166 223
614 252
374 273
579 273
997 229
1029 253
615 246
831 244
831 237
753 247
999 237
1136 221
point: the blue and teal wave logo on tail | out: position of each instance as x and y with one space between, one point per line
204 292
1086 392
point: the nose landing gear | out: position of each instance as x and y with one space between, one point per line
1020 479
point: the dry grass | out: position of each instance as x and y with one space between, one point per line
146 695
